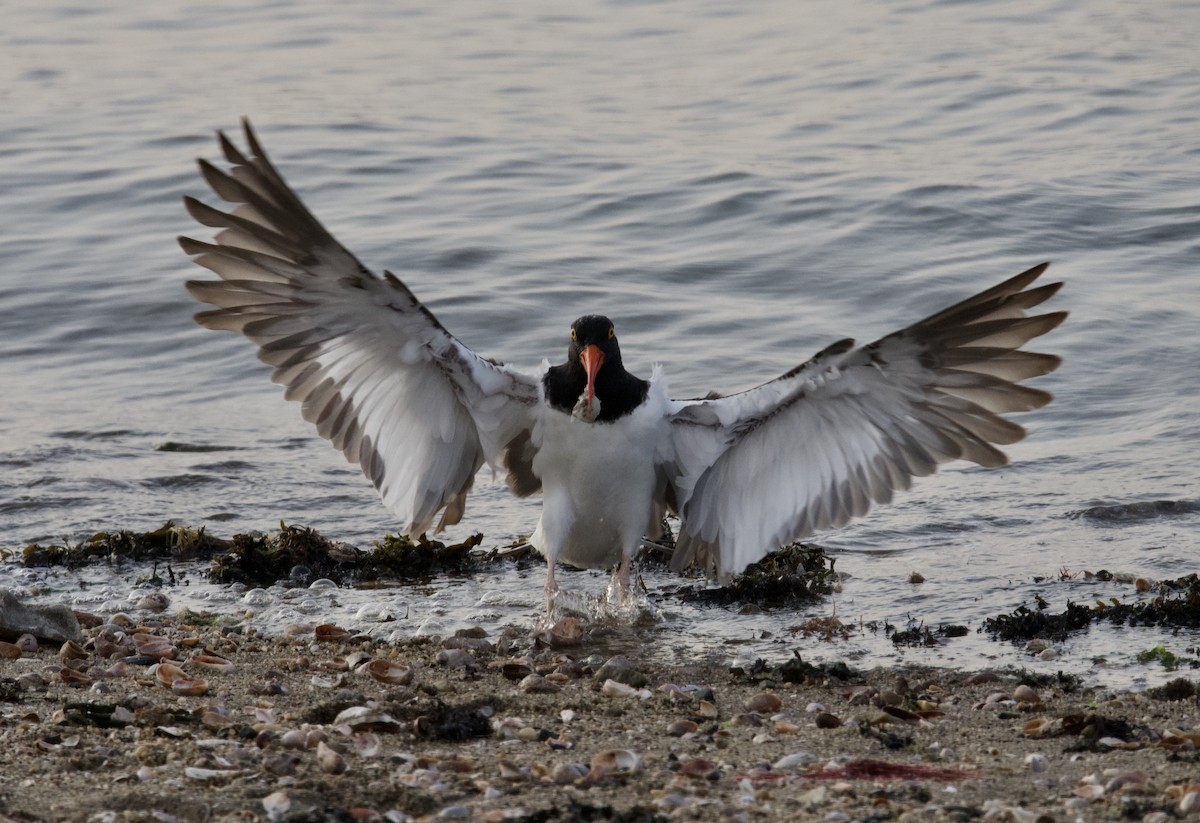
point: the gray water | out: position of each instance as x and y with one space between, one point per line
736 184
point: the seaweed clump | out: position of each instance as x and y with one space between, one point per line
169 542
796 574
1176 604
298 554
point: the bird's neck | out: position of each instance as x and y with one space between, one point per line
618 391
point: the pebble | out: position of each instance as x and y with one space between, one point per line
982 677
1037 762
620 669
1190 802
792 761
825 720
764 703
536 684
330 761
564 773
1025 694
455 658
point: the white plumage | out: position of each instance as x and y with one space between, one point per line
381 379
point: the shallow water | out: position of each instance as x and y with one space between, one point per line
737 185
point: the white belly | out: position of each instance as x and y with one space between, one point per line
598 483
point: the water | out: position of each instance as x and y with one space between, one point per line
736 184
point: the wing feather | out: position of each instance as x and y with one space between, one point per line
373 369
824 442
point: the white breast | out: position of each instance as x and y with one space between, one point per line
598 481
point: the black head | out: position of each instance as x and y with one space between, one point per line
594 330
594 371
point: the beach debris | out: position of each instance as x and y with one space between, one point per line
793 575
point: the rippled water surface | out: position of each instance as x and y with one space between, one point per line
736 184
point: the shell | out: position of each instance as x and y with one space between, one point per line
210 661
189 688
168 673
74 678
536 684
156 647
386 671
329 633
9 651
681 727
616 763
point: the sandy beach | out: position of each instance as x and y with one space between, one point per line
181 718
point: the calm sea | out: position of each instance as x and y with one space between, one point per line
736 184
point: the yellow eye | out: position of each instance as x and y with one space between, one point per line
573 335
611 332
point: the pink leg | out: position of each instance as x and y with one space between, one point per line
622 574
551 587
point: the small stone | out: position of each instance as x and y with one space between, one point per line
536 684
329 760
1024 694
1190 803
612 688
455 658
916 578
792 761
565 773
825 720
620 669
1037 762
707 710
701 769
982 677
764 703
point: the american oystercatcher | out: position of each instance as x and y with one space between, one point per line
611 453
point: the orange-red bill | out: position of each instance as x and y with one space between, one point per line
592 358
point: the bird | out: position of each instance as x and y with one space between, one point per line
611 453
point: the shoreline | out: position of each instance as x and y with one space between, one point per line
323 724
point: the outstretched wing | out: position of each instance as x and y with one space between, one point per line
372 368
817 446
